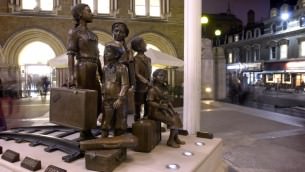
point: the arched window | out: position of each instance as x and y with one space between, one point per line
273 28
256 53
257 32
43 53
249 34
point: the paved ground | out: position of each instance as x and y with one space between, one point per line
254 140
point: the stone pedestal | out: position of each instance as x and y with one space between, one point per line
220 73
208 71
208 157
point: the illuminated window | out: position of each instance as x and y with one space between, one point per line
29 4
236 38
100 6
147 7
248 55
36 6
230 58
256 54
272 53
283 51
43 5
154 8
140 8
302 49
46 5
150 8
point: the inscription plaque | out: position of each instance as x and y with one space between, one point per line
31 164
52 168
10 156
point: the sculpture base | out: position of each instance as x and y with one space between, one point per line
191 157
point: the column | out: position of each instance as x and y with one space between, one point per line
192 65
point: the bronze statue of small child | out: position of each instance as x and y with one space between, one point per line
161 108
115 83
142 74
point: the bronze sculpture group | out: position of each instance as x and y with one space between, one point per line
122 71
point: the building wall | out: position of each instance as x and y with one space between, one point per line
19 29
58 25
292 36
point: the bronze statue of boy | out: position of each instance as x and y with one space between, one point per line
142 75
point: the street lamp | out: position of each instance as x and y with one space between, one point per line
217 34
204 21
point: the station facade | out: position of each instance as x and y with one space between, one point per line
38 23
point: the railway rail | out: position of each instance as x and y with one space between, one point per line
53 137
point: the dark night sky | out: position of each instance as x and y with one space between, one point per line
240 7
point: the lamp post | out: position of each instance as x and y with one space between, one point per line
204 21
217 34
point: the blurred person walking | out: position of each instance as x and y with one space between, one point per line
3 125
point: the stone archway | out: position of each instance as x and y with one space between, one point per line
103 37
16 42
159 41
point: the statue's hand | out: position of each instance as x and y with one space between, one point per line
131 89
117 103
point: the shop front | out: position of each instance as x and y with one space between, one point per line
249 71
284 74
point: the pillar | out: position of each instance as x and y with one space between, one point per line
192 65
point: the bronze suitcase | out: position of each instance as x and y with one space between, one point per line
104 160
76 108
146 131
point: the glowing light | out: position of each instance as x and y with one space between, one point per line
187 153
199 144
204 20
173 166
208 89
285 16
217 32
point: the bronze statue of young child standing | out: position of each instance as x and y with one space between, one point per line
115 86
